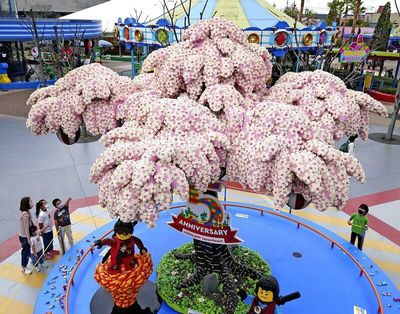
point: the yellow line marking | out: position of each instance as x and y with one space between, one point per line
388 266
270 199
13 272
18 307
100 207
375 244
88 220
77 235
321 218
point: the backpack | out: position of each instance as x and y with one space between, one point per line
345 147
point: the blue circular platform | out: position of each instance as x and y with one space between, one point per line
327 278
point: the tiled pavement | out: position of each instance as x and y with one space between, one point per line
18 291
43 168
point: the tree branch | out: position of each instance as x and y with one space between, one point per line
202 11
184 9
172 20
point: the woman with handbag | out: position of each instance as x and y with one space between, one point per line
25 222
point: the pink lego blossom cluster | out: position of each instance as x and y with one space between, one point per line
279 150
324 98
89 95
213 52
168 144
201 105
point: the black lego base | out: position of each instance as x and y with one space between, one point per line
148 302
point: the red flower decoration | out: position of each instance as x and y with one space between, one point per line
280 39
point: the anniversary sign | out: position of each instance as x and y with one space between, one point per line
205 218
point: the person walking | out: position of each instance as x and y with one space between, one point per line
25 222
37 254
46 228
62 222
359 224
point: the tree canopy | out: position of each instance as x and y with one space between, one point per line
381 35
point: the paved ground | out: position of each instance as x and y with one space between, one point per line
18 292
41 167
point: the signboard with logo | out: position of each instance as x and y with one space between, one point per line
355 51
205 219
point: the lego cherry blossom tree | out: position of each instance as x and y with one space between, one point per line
202 105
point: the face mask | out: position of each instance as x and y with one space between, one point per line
60 206
360 211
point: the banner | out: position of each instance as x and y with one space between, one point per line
205 219
354 52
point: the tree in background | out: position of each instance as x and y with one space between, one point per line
309 18
357 8
380 39
341 8
303 14
301 9
336 9
292 11
396 108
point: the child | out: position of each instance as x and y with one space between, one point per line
37 249
359 224
62 221
46 228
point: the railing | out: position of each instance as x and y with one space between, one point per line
262 211
71 280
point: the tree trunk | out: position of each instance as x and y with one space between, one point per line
381 67
346 10
395 114
356 14
36 41
301 10
211 258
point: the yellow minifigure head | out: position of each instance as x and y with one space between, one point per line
267 289
265 296
123 237
124 230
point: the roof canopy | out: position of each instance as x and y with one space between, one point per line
245 13
13 29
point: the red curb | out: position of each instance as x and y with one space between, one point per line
375 198
11 245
